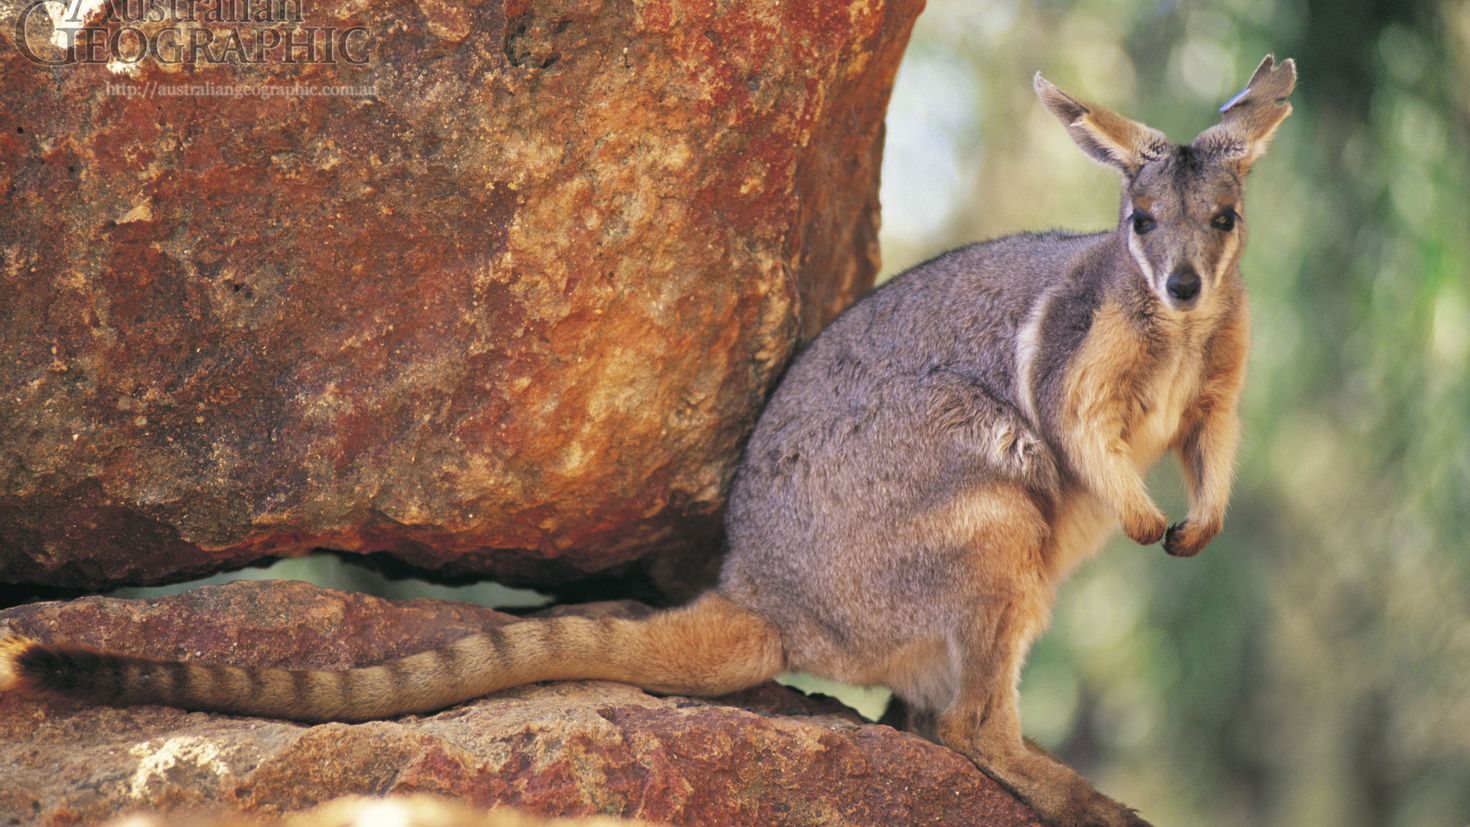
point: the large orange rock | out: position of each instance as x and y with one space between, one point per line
370 811
510 313
767 756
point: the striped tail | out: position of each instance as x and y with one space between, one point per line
710 647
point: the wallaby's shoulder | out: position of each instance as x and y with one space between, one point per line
973 296
1026 259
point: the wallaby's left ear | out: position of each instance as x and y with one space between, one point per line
1107 136
1249 119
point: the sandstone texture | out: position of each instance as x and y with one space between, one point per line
386 811
766 756
507 309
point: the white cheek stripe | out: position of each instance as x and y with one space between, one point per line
1136 249
1232 244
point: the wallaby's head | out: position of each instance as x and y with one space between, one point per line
1182 218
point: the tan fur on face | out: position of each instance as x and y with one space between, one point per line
1184 193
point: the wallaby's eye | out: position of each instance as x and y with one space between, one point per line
1142 222
1224 220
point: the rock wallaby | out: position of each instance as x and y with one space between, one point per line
927 471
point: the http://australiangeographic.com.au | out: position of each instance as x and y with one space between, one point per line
208 89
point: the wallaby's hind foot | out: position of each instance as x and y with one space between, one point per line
983 722
1061 796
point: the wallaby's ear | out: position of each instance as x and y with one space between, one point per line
1107 136
1249 119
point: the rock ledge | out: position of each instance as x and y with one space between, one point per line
767 756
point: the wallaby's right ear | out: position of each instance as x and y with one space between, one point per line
1107 136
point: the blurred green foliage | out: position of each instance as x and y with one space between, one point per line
1312 667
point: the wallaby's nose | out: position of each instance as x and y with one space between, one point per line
1183 284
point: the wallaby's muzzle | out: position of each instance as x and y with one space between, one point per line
1183 286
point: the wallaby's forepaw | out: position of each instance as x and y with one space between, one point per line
1185 539
1146 528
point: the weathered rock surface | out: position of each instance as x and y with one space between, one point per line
510 313
768 756
367 811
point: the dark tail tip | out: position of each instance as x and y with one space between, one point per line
30 666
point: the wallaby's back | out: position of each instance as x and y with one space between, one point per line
908 399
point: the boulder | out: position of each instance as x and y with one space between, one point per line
367 811
766 756
497 288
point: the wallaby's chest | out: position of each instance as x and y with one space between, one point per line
1164 395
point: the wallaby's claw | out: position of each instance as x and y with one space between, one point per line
1174 542
1186 538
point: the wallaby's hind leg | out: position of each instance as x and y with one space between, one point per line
984 724
898 714
710 647
902 715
